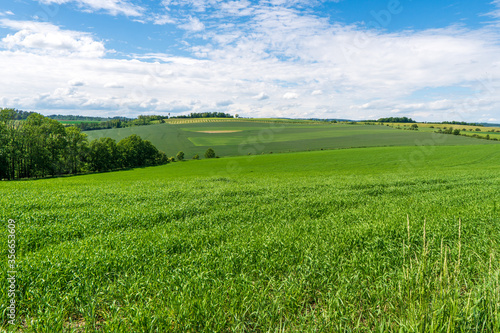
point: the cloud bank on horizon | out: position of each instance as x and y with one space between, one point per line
272 58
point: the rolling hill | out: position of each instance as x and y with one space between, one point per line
257 136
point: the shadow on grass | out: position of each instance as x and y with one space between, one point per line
78 174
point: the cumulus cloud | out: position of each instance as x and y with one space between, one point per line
314 65
290 95
224 103
261 96
112 7
47 38
76 83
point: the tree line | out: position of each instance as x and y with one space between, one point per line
463 132
207 115
40 147
143 120
120 123
18 114
98 123
84 118
454 122
396 120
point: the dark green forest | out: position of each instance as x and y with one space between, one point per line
207 115
396 120
39 147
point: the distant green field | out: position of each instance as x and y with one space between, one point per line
300 242
493 132
265 136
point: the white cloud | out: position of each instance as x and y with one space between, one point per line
77 83
114 85
197 5
495 13
193 24
112 7
237 8
224 103
47 38
290 95
161 19
319 69
261 96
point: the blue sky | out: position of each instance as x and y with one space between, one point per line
429 60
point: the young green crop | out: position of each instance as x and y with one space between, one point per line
358 240
259 136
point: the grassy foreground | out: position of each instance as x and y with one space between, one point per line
400 239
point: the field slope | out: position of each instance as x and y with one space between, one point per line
301 242
242 137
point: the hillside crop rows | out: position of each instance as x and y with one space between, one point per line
259 137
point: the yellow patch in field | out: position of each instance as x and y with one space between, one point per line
218 131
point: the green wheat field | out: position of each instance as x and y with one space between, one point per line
260 136
378 239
